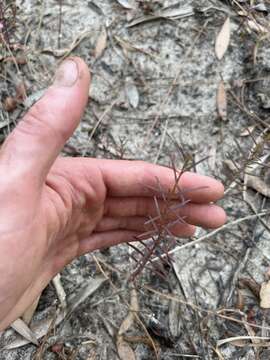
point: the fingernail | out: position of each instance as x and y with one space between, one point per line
67 74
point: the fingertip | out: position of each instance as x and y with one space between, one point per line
219 189
219 217
72 72
184 230
84 72
209 189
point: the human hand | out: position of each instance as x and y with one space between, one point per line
55 209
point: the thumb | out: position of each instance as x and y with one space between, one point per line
38 139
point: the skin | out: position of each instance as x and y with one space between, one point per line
55 209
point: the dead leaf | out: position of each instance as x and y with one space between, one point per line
127 4
10 104
251 284
223 39
132 93
258 184
125 352
222 101
253 25
21 92
20 327
101 44
265 295
129 320
248 131
41 327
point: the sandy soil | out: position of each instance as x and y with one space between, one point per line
155 86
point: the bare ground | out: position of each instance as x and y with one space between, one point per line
154 89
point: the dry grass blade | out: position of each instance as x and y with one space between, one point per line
237 338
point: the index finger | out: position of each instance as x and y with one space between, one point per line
138 178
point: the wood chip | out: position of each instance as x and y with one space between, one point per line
223 39
222 101
265 295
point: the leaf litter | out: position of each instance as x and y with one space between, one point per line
244 119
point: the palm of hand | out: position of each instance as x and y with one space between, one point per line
45 231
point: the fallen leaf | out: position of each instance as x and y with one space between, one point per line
10 104
41 327
21 93
248 131
101 44
265 295
20 327
261 7
125 352
253 25
223 39
251 284
132 93
258 184
129 320
127 4
222 101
